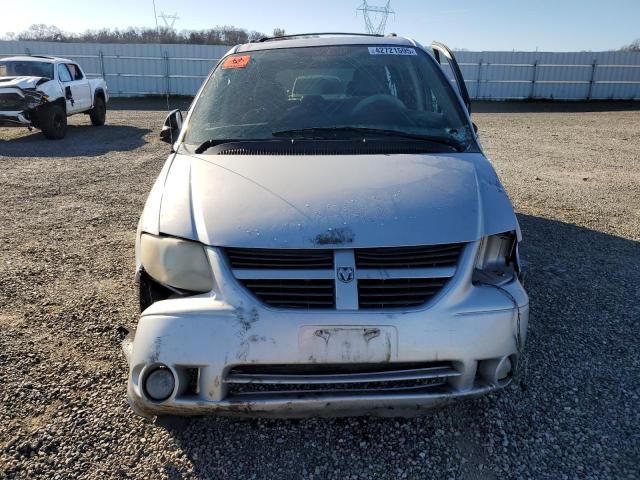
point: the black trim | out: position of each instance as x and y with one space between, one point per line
302 35
306 147
438 48
151 291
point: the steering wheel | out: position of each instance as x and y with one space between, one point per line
388 105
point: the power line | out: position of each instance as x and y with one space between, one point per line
375 17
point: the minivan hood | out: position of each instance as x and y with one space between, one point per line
334 201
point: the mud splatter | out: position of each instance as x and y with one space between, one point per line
335 236
246 320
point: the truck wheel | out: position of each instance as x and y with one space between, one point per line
98 113
53 122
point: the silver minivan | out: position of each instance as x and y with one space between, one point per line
326 237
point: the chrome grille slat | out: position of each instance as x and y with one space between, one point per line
391 251
391 286
293 287
405 264
408 255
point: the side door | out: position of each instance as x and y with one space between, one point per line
445 56
72 91
80 87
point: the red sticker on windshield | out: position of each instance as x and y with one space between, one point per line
237 62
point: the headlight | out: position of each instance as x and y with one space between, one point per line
497 260
496 252
175 262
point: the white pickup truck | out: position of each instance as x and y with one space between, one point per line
40 91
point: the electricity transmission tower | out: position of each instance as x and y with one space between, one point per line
375 18
165 17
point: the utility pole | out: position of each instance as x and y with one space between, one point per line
375 17
165 17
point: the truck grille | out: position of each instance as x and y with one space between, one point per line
11 102
379 278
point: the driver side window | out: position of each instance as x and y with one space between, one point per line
63 73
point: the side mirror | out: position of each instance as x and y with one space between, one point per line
172 126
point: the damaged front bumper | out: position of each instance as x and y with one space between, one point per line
14 119
239 357
17 106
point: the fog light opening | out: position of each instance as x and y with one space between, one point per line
504 370
160 383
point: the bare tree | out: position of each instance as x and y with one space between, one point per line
42 32
279 32
220 35
633 46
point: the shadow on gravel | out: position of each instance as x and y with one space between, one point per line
573 394
81 140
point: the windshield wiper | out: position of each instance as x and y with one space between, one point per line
212 142
451 142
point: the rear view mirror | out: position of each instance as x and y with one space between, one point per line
172 126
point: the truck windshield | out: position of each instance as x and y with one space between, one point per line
327 91
16 68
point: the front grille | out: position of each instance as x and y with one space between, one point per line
409 257
337 378
304 294
11 102
398 292
259 258
383 278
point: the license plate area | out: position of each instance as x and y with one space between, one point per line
348 344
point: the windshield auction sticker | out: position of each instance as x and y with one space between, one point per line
392 51
237 62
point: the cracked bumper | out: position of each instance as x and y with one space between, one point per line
14 119
470 328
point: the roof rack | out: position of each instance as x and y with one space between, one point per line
298 35
43 56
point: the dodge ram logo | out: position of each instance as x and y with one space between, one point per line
345 274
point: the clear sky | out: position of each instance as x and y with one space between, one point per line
472 24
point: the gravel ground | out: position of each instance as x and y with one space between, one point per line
67 225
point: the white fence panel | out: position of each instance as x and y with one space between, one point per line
133 69
151 69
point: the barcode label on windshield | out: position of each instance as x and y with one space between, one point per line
392 51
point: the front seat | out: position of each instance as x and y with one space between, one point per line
367 81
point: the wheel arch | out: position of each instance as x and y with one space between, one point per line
99 93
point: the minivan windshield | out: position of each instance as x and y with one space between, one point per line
17 68
328 92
